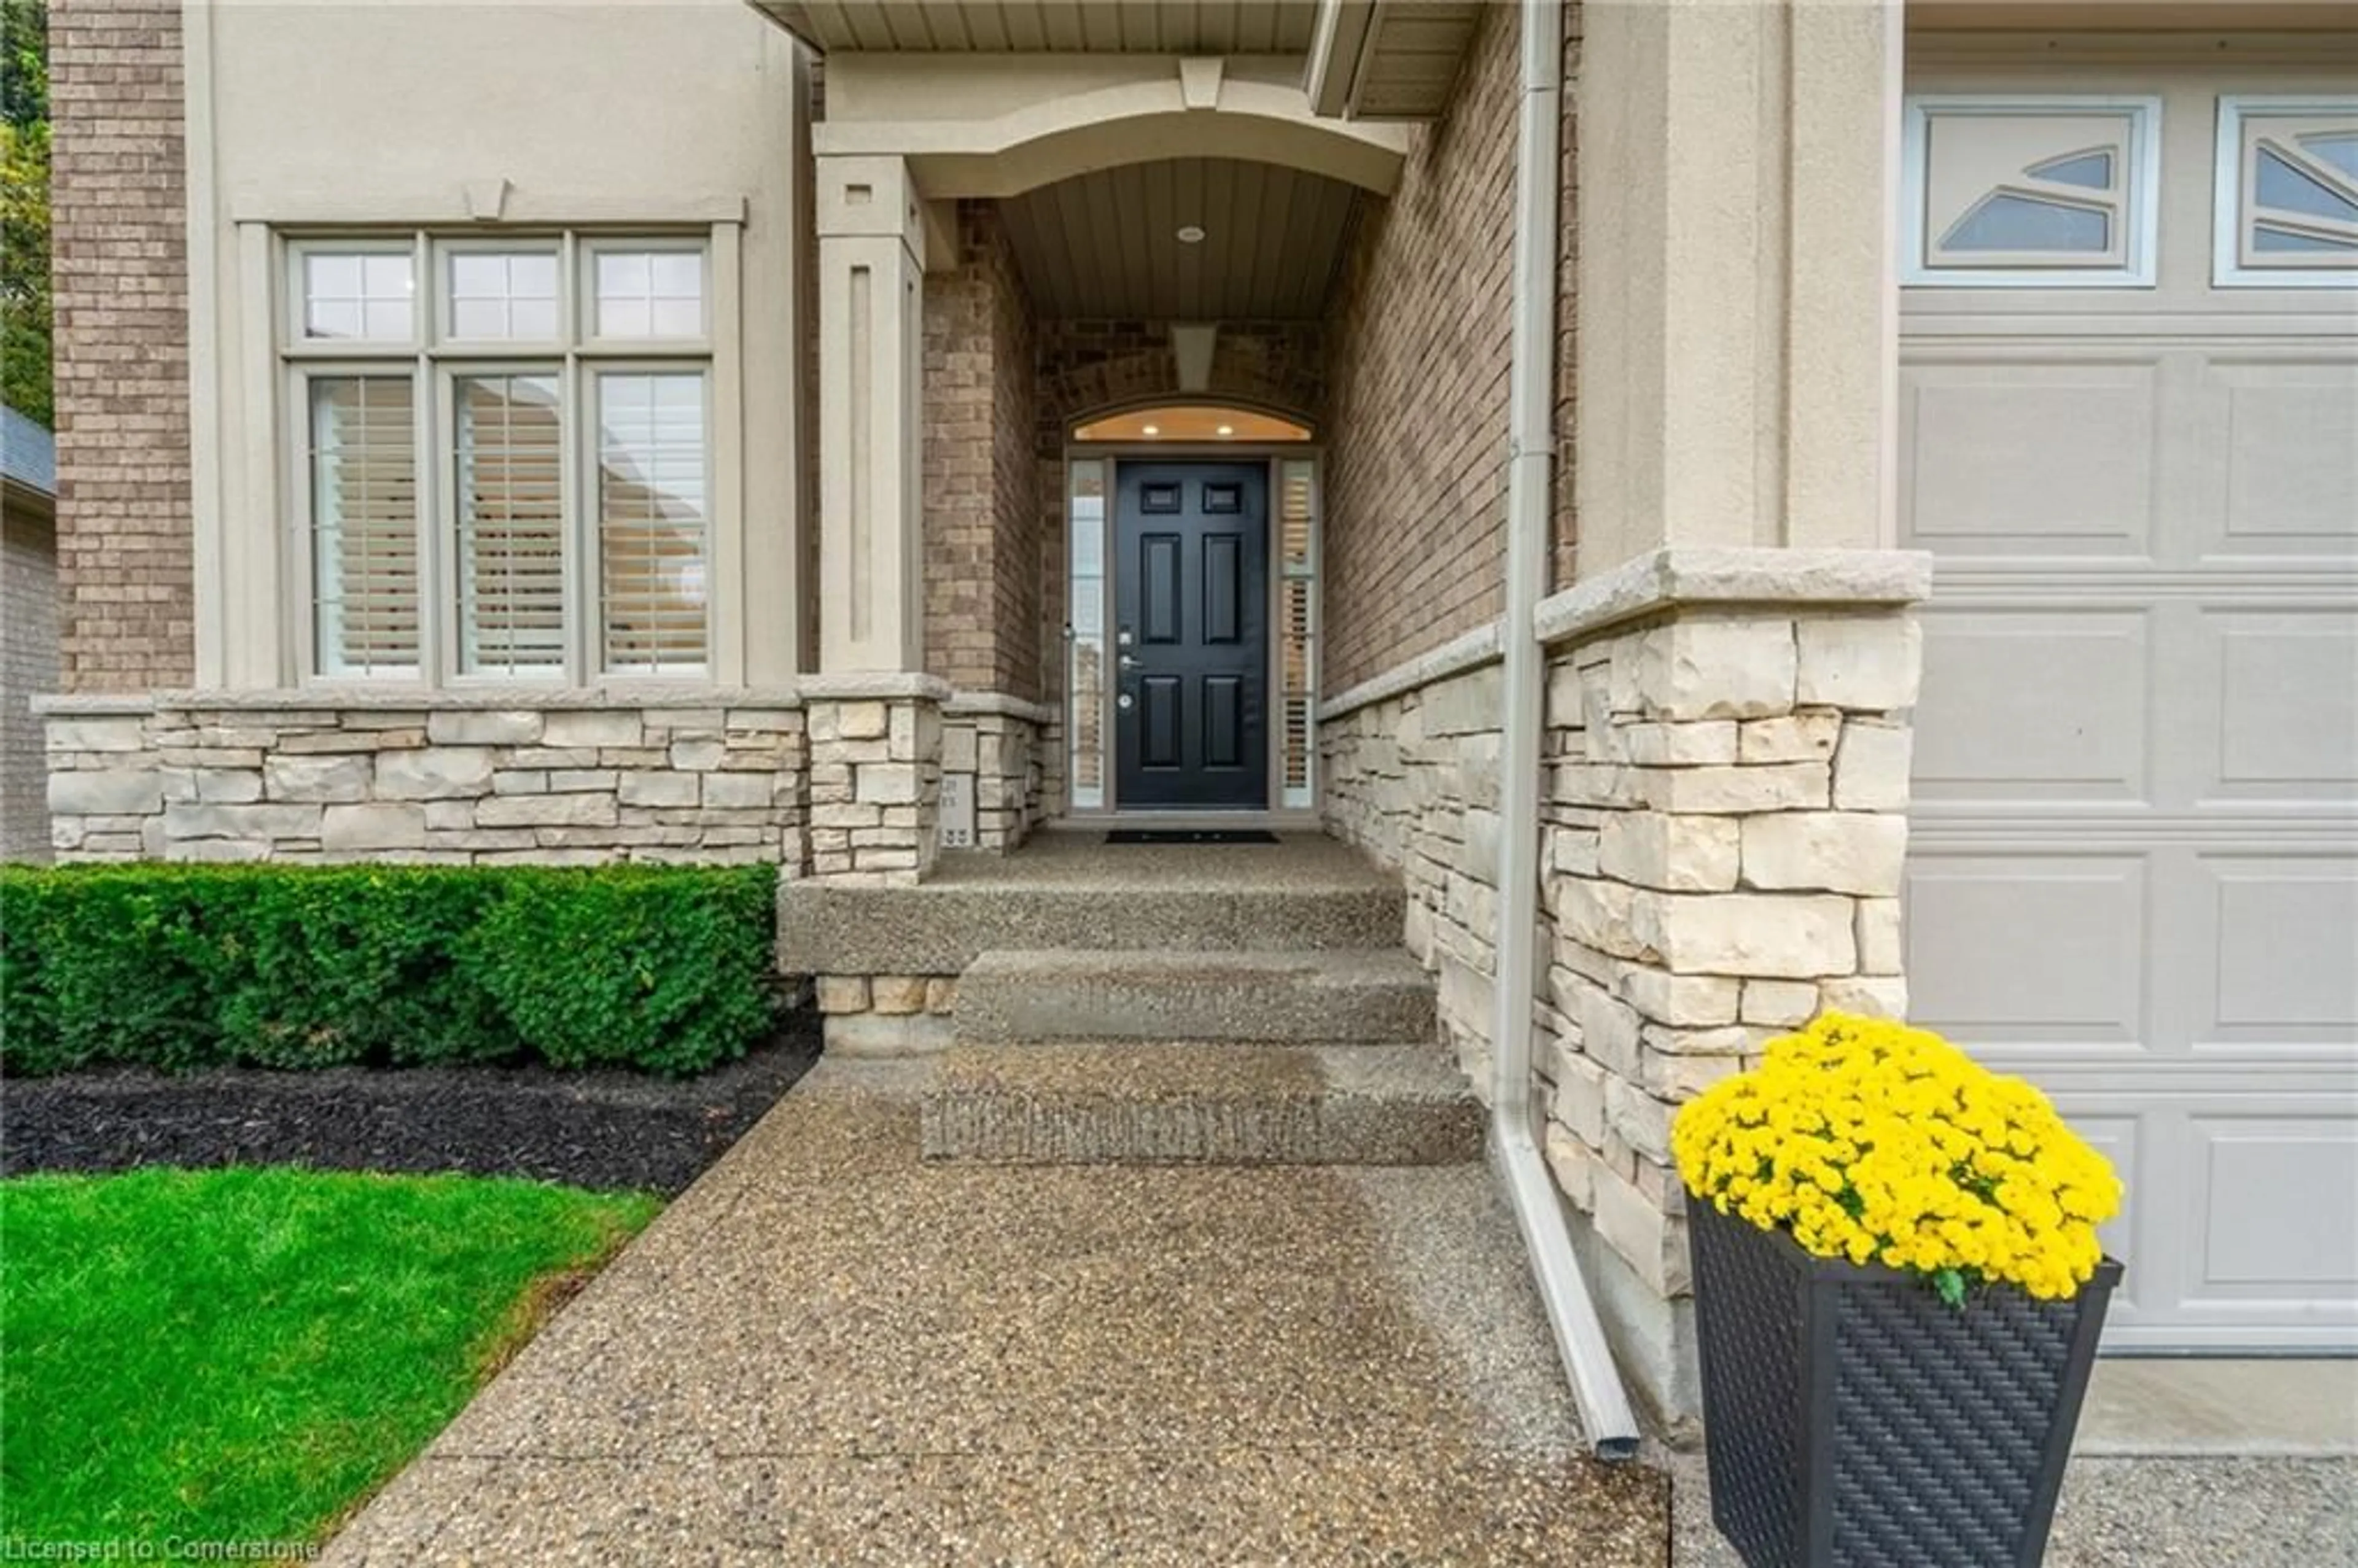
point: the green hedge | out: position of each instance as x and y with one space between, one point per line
667 968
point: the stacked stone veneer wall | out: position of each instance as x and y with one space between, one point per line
998 744
875 787
1725 835
1412 778
833 785
887 1015
199 778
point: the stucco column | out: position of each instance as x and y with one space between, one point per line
1736 305
871 252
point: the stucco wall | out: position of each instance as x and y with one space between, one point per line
29 665
406 113
118 214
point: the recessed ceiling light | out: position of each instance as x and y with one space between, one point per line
1191 234
1228 429
1155 430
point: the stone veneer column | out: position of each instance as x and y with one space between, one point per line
875 776
1726 836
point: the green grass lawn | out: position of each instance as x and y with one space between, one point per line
243 1355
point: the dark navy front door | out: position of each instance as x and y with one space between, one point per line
1191 597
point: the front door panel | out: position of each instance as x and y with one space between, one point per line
1191 552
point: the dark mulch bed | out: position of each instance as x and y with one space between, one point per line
604 1128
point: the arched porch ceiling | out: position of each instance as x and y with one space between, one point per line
1106 244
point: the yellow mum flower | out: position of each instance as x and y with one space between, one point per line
1868 1140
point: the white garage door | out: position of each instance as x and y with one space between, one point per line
2130 435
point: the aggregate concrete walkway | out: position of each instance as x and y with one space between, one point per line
827 1351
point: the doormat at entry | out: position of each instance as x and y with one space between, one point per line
1190 836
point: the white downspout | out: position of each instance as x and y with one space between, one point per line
1579 1336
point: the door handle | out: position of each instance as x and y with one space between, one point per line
1129 662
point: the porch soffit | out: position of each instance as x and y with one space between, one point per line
1052 26
1374 60
1106 244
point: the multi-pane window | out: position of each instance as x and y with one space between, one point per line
507 450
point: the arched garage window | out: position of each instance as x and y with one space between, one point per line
2288 185
2030 193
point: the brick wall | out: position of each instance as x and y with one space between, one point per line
29 665
1086 365
1416 477
982 582
121 275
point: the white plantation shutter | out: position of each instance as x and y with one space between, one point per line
511 525
653 521
363 466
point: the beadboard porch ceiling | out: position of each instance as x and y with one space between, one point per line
1053 27
1107 244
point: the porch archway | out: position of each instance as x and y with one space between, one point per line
1060 136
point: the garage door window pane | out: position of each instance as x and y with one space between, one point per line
2027 223
2337 149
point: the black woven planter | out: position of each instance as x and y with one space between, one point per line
1853 1421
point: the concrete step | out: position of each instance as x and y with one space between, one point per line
1108 1104
939 927
1376 996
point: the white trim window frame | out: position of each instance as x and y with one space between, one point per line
2131 202
556 290
2235 214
